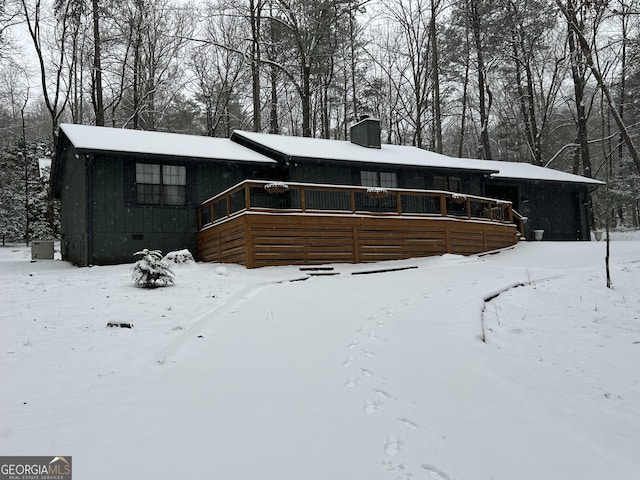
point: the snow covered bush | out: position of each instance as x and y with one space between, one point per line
179 256
151 271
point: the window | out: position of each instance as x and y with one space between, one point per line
378 179
161 184
449 184
388 179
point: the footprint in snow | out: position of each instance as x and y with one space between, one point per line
348 362
384 395
372 407
409 424
393 447
366 373
353 344
352 382
435 472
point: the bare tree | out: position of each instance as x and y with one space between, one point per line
220 71
54 76
309 26
586 49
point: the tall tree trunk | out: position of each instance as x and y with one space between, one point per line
305 97
578 75
137 65
522 100
273 74
98 102
531 98
435 76
465 88
483 93
622 92
345 103
25 157
273 110
352 51
255 14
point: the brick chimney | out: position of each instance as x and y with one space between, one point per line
366 132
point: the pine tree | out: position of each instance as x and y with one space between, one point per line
151 271
11 195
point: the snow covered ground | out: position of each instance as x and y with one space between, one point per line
246 374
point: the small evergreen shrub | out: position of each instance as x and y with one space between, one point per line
179 256
151 271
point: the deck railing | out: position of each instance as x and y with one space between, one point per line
293 197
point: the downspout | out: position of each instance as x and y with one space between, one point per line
88 172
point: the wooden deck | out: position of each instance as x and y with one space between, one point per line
316 224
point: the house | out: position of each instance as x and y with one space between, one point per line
124 190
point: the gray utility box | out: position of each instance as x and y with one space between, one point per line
42 249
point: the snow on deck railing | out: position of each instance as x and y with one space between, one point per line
294 197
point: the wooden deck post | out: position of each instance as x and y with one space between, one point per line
447 239
356 243
247 196
248 246
443 205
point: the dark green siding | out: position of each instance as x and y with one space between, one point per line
555 209
73 214
121 228
317 173
559 209
329 173
214 178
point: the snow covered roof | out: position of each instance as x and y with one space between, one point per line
91 138
526 171
341 150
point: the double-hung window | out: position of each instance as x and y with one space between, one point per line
161 184
378 179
